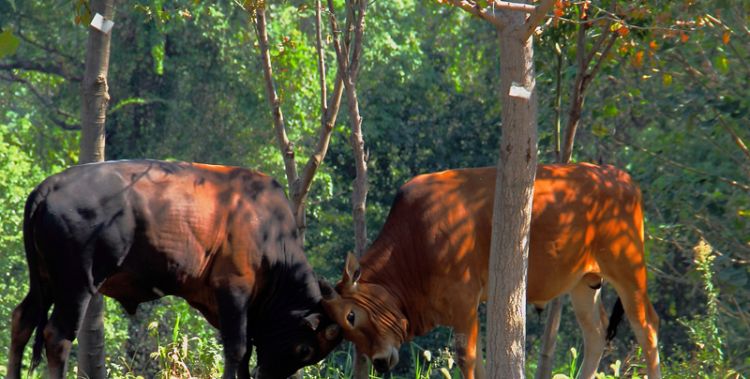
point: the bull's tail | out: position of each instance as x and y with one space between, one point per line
36 350
33 310
614 319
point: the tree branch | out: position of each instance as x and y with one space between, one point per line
359 31
599 41
48 49
731 182
735 137
327 121
602 56
287 150
511 6
47 104
58 70
537 16
576 101
558 101
321 61
341 52
476 10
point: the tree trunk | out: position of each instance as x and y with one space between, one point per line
94 91
512 208
94 102
359 193
348 71
549 339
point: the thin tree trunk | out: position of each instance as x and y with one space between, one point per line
348 70
549 339
584 75
576 100
328 114
94 91
359 194
94 102
558 103
506 334
285 146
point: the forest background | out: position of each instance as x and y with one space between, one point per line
670 104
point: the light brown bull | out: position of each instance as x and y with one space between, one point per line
428 266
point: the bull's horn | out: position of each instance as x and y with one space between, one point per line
327 290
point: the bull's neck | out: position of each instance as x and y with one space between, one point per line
386 264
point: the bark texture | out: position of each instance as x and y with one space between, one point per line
506 334
94 102
95 91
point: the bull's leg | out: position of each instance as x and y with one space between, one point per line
586 304
631 285
243 372
233 329
25 318
466 336
63 327
645 324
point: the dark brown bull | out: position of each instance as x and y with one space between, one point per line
223 238
428 266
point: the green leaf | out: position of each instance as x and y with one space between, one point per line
126 102
610 110
8 43
722 63
157 52
666 79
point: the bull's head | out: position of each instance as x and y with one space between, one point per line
305 340
369 315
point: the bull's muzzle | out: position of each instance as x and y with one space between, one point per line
386 362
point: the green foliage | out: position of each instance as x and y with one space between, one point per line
8 43
704 331
22 166
184 350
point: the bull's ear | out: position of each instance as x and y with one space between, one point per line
332 332
327 291
313 320
352 271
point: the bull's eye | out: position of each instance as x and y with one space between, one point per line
304 352
350 318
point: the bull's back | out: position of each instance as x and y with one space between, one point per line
445 221
148 227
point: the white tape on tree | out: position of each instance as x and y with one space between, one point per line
519 91
102 24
